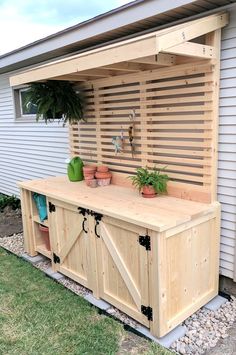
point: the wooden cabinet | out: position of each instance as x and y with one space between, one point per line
103 254
157 261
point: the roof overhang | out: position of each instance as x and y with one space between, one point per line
158 48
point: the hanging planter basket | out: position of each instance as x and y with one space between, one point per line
55 99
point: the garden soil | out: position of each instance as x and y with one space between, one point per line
10 222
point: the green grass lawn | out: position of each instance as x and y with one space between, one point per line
40 317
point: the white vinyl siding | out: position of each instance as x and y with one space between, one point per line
227 147
28 150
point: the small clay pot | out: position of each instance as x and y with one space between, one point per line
106 175
104 182
102 169
92 183
89 176
89 169
148 191
45 232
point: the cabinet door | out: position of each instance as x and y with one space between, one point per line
123 267
69 241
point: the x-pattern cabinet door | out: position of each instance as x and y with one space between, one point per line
123 267
70 242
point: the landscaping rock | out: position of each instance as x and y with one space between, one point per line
13 243
205 328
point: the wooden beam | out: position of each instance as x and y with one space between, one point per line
158 59
100 72
129 67
71 78
190 30
101 57
191 49
129 50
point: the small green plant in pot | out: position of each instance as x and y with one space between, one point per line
150 182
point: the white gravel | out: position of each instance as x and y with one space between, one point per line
74 286
43 265
122 317
13 243
204 328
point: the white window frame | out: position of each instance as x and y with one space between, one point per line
19 116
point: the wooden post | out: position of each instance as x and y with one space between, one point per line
214 39
26 209
157 284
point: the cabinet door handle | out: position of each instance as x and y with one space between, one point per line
95 229
83 225
98 218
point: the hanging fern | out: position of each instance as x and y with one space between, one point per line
55 99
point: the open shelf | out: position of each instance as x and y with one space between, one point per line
37 220
41 238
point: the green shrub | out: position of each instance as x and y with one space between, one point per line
12 201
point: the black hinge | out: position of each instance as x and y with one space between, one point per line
83 211
51 207
145 241
147 311
56 259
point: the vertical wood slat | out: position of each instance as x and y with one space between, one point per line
143 121
98 124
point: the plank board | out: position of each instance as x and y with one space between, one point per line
173 125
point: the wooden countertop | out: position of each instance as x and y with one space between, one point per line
159 213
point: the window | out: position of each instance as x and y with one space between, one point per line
22 109
26 108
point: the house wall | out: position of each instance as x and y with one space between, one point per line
28 150
227 148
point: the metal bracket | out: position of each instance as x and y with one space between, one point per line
145 241
51 207
147 311
56 259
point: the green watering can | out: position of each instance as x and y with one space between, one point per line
75 169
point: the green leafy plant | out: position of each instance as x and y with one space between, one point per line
155 178
12 201
55 99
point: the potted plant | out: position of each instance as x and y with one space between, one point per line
55 99
150 182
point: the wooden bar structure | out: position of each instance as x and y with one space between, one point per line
156 260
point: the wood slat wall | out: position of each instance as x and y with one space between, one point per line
173 125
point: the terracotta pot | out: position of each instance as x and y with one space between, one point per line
89 176
148 191
102 169
89 169
106 175
92 183
104 182
45 232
